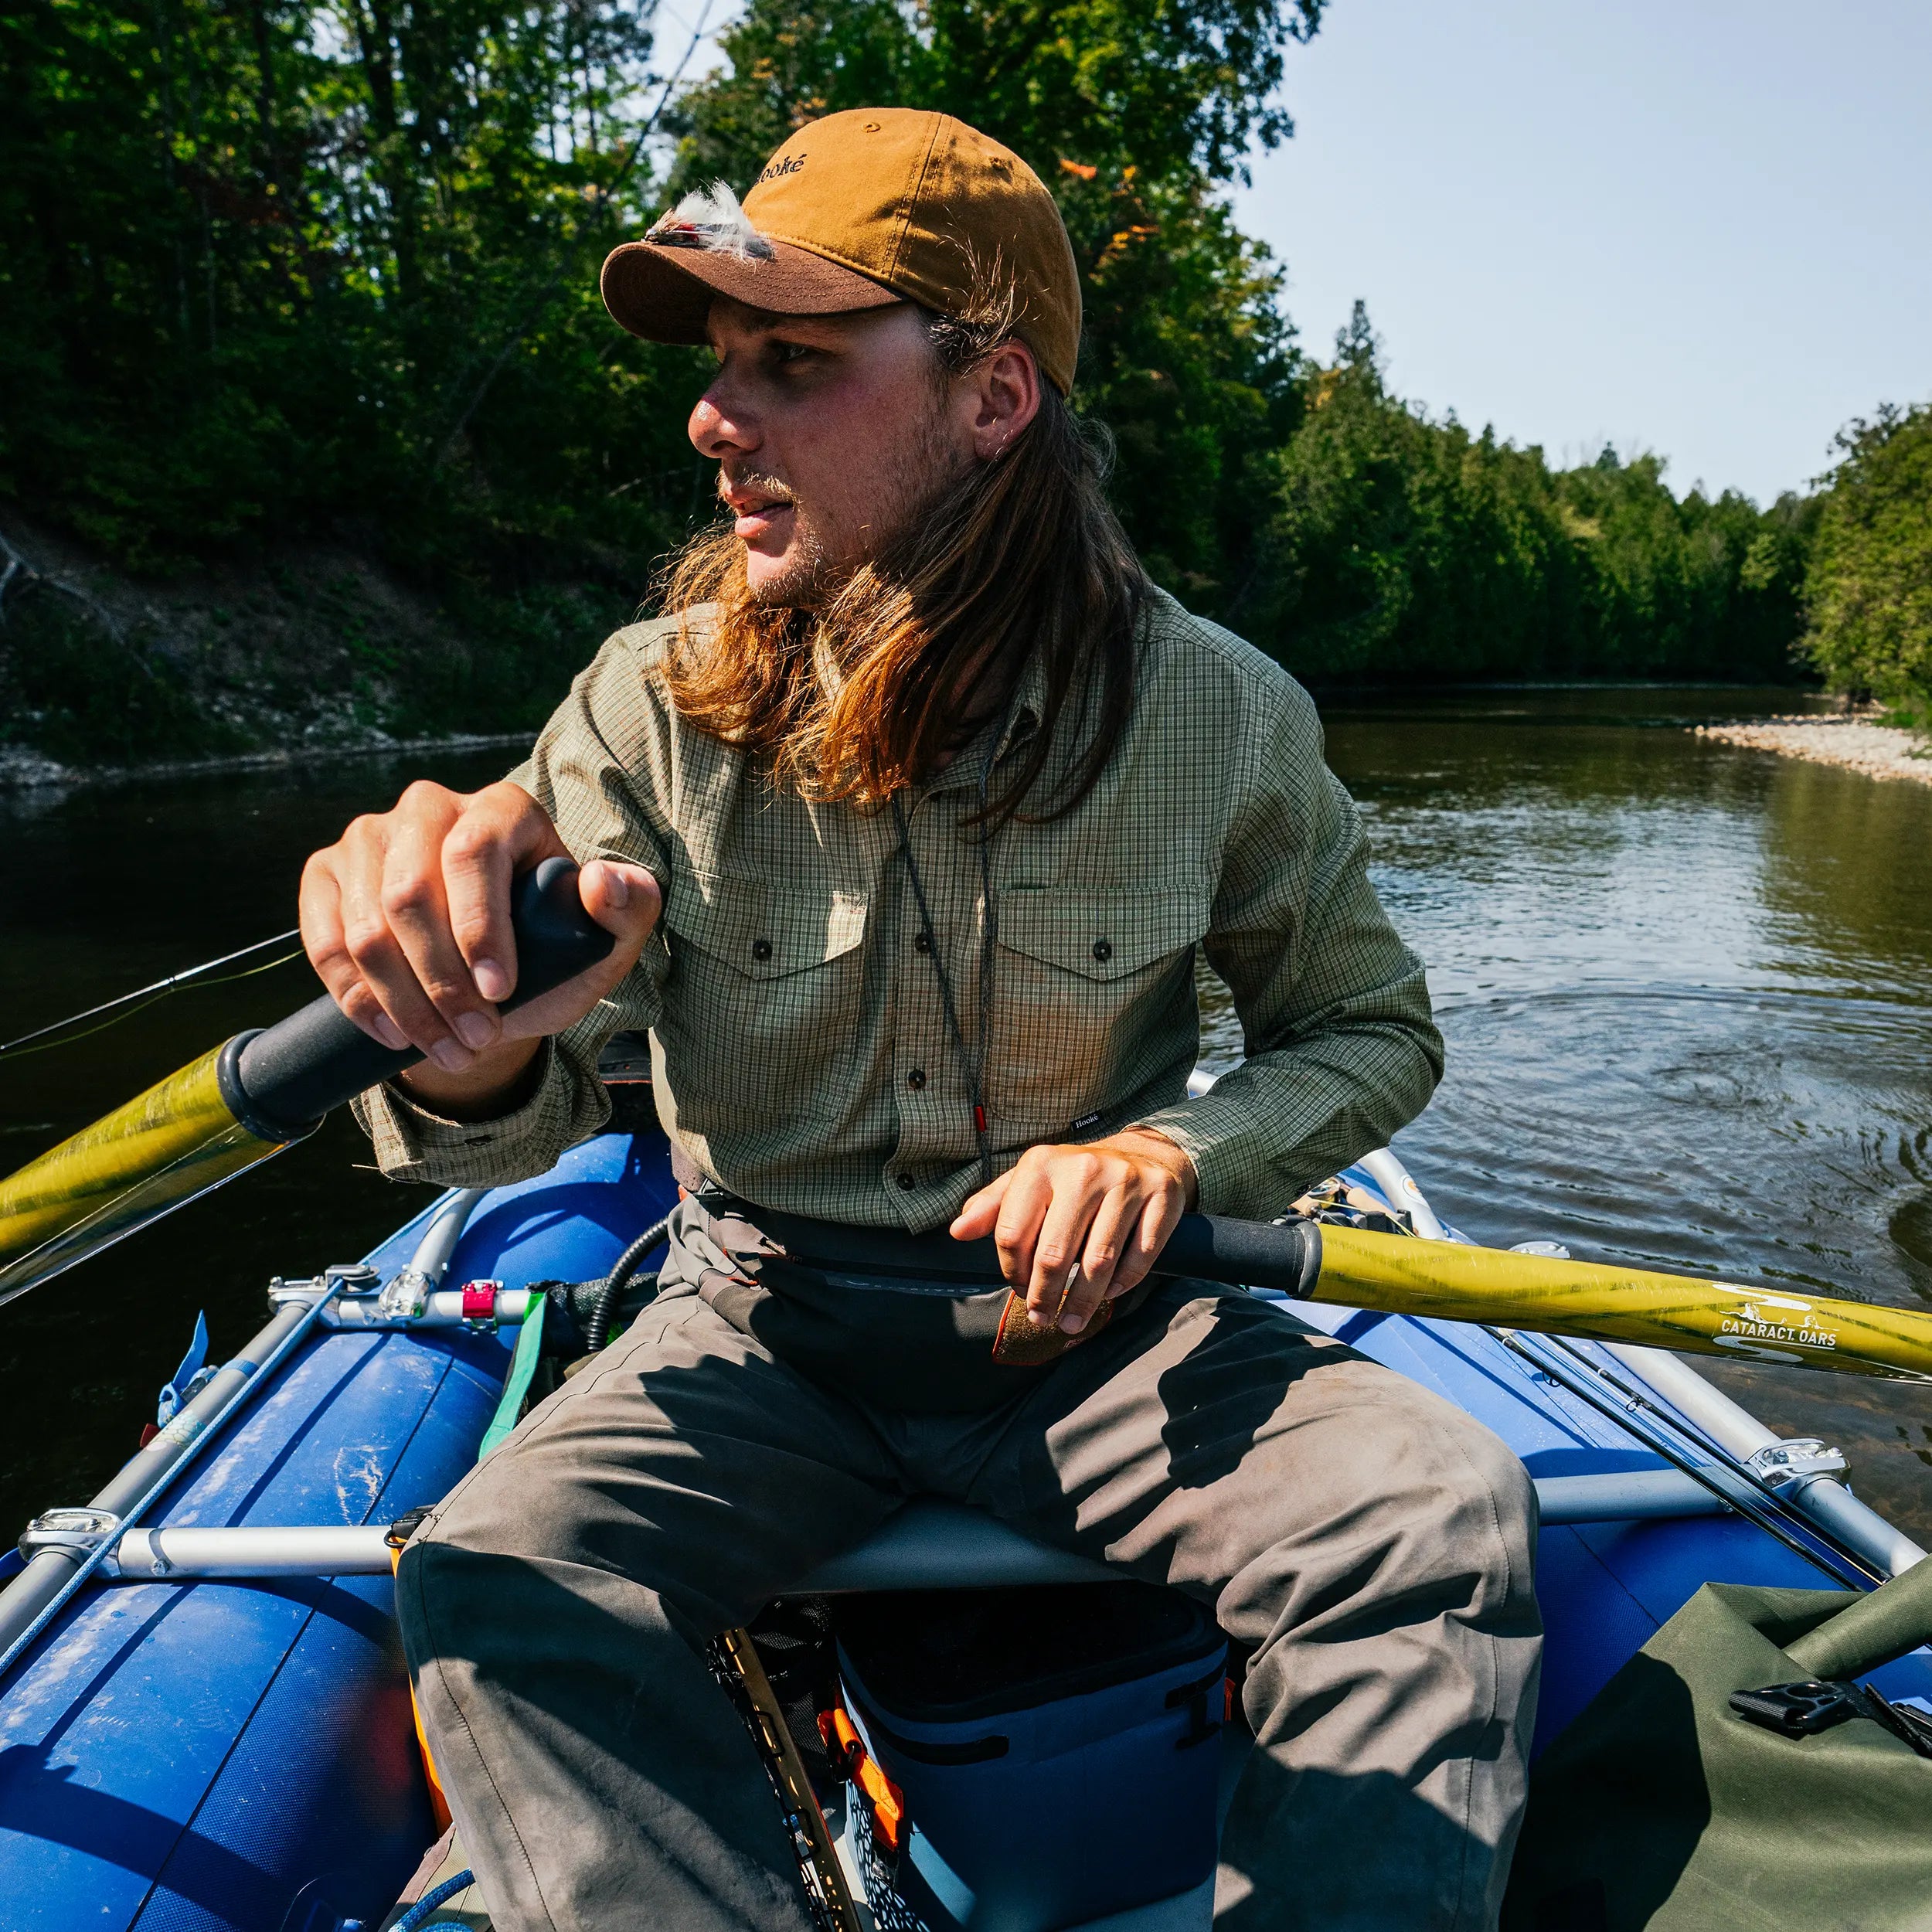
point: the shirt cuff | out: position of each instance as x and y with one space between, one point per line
412 1143
1217 1135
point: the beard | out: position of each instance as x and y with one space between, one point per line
914 478
809 579
805 579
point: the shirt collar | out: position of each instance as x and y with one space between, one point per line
1020 719
1029 703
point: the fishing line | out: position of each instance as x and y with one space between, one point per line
143 997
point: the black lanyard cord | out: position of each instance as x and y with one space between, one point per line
972 1064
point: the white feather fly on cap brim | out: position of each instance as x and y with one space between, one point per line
711 218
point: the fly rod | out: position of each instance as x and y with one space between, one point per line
242 1102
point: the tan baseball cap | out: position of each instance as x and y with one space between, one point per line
858 211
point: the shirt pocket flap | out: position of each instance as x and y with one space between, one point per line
1100 935
763 929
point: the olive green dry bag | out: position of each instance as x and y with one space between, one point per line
1661 1808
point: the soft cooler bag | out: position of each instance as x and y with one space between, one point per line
1026 1760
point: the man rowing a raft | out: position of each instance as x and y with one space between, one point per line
911 816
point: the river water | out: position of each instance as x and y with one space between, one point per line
1687 991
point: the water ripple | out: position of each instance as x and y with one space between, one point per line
1687 993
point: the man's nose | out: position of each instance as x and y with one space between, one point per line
720 425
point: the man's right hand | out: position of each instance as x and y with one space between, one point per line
407 917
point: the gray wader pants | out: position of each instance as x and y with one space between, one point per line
1367 1543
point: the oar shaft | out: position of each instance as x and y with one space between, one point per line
243 1102
1401 1275
163 1148
1449 1282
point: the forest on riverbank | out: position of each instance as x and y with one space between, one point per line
312 423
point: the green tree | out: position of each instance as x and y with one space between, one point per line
1868 590
266 265
1173 90
292 268
1404 547
275 269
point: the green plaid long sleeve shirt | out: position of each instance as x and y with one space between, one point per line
801 1053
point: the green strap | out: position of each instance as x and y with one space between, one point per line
529 1349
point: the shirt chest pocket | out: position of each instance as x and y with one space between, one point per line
761 1003
1089 986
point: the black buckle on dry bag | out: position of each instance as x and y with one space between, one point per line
1813 1705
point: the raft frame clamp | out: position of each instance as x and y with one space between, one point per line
81 1530
1790 1465
353 1281
404 1297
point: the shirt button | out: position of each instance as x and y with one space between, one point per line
761 949
922 944
907 1182
1103 950
916 1079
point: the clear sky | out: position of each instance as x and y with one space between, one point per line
1699 227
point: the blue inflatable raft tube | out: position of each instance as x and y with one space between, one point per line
224 1756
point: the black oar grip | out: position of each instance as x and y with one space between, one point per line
278 1084
1254 1254
1285 1256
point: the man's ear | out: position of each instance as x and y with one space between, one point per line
1005 391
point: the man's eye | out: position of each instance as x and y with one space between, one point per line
785 354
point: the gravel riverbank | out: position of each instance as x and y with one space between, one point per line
1880 751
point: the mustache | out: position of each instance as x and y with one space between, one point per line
752 480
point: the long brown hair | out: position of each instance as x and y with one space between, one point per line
853 701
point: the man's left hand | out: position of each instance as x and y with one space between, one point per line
1079 1225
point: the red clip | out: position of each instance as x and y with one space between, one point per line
479 1304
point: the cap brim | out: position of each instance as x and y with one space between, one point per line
664 293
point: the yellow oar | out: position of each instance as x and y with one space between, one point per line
176 1141
242 1102
1400 1275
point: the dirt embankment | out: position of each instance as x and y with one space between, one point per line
316 651
1858 742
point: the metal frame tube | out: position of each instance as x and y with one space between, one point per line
1734 1429
929 1545
29 1603
442 1309
1632 1495
163 1556
431 1260
1399 1187
1728 1424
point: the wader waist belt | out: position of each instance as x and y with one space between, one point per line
917 1322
